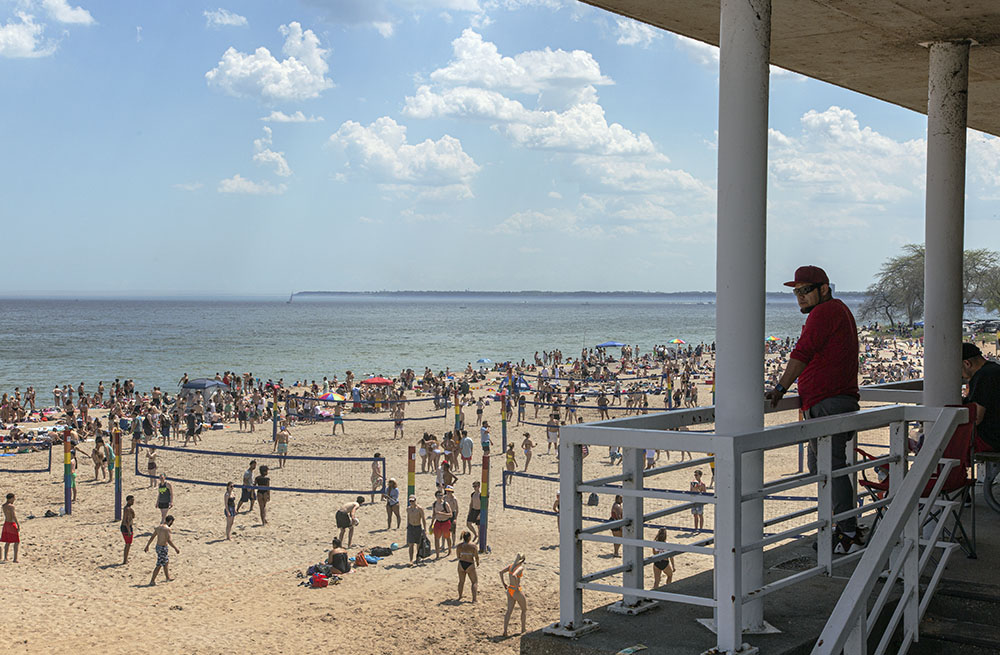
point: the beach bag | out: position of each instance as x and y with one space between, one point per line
359 559
424 549
319 580
379 551
592 500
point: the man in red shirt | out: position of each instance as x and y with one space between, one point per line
825 362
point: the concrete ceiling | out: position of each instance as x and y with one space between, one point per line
869 46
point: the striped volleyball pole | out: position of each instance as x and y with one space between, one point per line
411 472
484 503
67 472
116 436
458 416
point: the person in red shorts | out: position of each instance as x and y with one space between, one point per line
11 532
128 517
442 524
825 363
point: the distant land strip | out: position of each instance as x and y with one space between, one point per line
676 295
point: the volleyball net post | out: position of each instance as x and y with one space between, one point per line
274 416
116 437
484 502
67 472
411 472
458 416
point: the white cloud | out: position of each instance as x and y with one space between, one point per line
294 117
555 195
238 184
62 12
260 75
23 39
479 63
632 32
138 33
382 149
189 186
835 159
264 155
224 18
983 156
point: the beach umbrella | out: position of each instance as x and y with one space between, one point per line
610 344
677 341
484 360
203 383
376 380
772 338
332 396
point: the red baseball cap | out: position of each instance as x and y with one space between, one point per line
809 275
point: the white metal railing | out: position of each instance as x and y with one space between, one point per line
662 431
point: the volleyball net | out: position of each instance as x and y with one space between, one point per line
371 408
25 457
294 473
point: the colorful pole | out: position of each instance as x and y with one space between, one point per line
458 417
503 420
484 502
274 416
411 471
116 435
67 472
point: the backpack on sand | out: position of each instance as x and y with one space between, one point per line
424 549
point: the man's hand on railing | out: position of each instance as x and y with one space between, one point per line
775 395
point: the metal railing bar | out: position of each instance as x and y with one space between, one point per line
946 550
897 615
867 508
621 477
867 464
789 516
676 467
782 536
603 573
649 593
667 512
649 493
895 567
647 543
784 582
605 526
790 483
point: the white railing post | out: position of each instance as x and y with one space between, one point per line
857 639
634 459
898 447
570 547
824 502
911 575
728 546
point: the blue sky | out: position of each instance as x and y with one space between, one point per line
262 147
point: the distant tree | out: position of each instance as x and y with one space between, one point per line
898 290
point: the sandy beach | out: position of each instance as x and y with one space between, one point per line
70 593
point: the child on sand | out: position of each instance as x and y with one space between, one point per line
11 533
162 535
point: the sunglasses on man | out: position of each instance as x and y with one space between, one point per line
802 292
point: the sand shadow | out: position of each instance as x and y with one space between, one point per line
454 602
217 541
110 566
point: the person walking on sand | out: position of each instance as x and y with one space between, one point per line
281 445
664 566
248 492
698 509
416 525
441 514
515 594
11 533
465 446
162 535
468 561
391 498
164 497
151 466
376 477
527 445
475 507
229 509
127 527
347 518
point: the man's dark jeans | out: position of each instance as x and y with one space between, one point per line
844 494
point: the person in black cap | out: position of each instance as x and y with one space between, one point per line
825 363
984 390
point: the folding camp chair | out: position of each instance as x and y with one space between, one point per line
957 484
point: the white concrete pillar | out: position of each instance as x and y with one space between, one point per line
947 105
745 43
632 509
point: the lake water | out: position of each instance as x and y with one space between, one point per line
155 341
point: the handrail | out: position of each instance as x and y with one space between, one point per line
845 616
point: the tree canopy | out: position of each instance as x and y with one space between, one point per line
897 293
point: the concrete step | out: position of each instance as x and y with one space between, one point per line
956 638
966 601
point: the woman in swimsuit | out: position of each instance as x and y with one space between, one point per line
229 509
422 451
376 475
527 446
663 566
263 493
514 593
468 559
151 466
511 461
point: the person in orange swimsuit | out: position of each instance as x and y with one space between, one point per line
514 592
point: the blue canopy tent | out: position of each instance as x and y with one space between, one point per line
610 344
203 383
